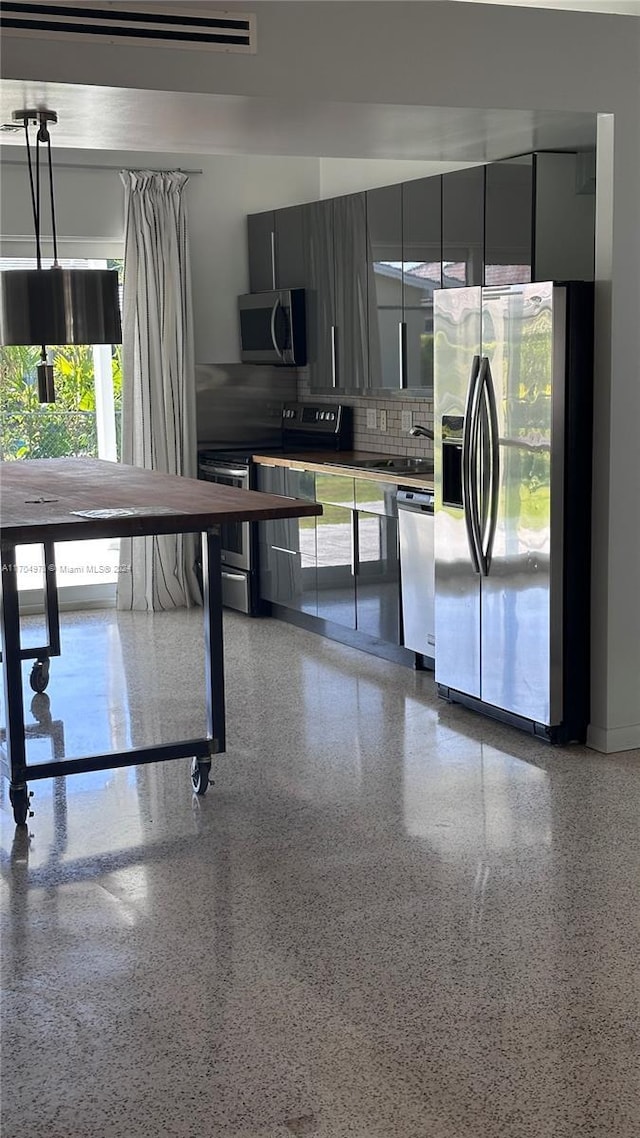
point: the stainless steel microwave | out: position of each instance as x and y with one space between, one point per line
272 327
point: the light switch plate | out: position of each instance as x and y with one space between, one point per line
406 420
371 418
383 420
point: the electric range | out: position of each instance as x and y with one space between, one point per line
304 427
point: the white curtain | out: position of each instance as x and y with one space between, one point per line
158 412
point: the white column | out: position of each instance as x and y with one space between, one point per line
615 606
105 408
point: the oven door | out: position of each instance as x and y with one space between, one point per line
235 537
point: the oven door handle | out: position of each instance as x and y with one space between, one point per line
225 471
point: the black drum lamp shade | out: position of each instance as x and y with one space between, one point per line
54 306
59 306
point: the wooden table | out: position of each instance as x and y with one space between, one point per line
75 499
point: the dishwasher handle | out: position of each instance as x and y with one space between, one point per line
419 500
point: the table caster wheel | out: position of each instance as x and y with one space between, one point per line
19 798
200 769
39 677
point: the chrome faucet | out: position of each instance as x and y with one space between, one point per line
418 430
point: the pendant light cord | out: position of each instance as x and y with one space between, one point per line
53 208
35 195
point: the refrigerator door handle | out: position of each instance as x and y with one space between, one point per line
476 470
469 462
494 445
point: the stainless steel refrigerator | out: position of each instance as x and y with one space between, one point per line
513 378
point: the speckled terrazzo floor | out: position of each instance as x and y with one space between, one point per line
389 917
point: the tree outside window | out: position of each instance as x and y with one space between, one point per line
66 428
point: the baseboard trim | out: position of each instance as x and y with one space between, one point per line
615 739
360 640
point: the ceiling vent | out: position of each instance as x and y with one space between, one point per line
148 25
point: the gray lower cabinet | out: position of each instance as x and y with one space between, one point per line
287 546
336 550
343 566
377 561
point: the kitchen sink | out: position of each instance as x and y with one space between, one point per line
400 465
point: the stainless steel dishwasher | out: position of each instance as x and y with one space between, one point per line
417 570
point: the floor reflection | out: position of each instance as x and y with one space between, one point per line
388 916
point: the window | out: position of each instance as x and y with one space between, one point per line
84 421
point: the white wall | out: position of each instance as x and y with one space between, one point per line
350 175
90 215
444 54
90 219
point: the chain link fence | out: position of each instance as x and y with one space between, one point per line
50 433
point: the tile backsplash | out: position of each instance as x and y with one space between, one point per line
394 440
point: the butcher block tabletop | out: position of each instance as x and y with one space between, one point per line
67 499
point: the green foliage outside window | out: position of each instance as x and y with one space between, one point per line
66 428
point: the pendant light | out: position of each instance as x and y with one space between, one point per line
56 305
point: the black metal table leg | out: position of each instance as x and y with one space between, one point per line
51 608
213 655
201 749
12 679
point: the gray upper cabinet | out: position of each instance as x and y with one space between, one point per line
335 243
508 246
350 257
320 284
290 270
370 262
421 275
261 236
564 220
276 253
539 224
405 267
462 227
384 230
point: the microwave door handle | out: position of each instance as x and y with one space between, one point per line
274 339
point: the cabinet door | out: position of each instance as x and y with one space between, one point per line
261 239
335 548
350 267
301 484
384 232
564 221
462 227
290 260
271 535
378 577
286 546
508 221
378 561
421 275
317 229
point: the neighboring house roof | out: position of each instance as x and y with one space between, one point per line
428 272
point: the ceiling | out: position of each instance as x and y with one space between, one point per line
110 118
611 7
120 119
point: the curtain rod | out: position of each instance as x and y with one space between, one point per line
90 166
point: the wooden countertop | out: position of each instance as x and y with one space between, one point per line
320 461
40 499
